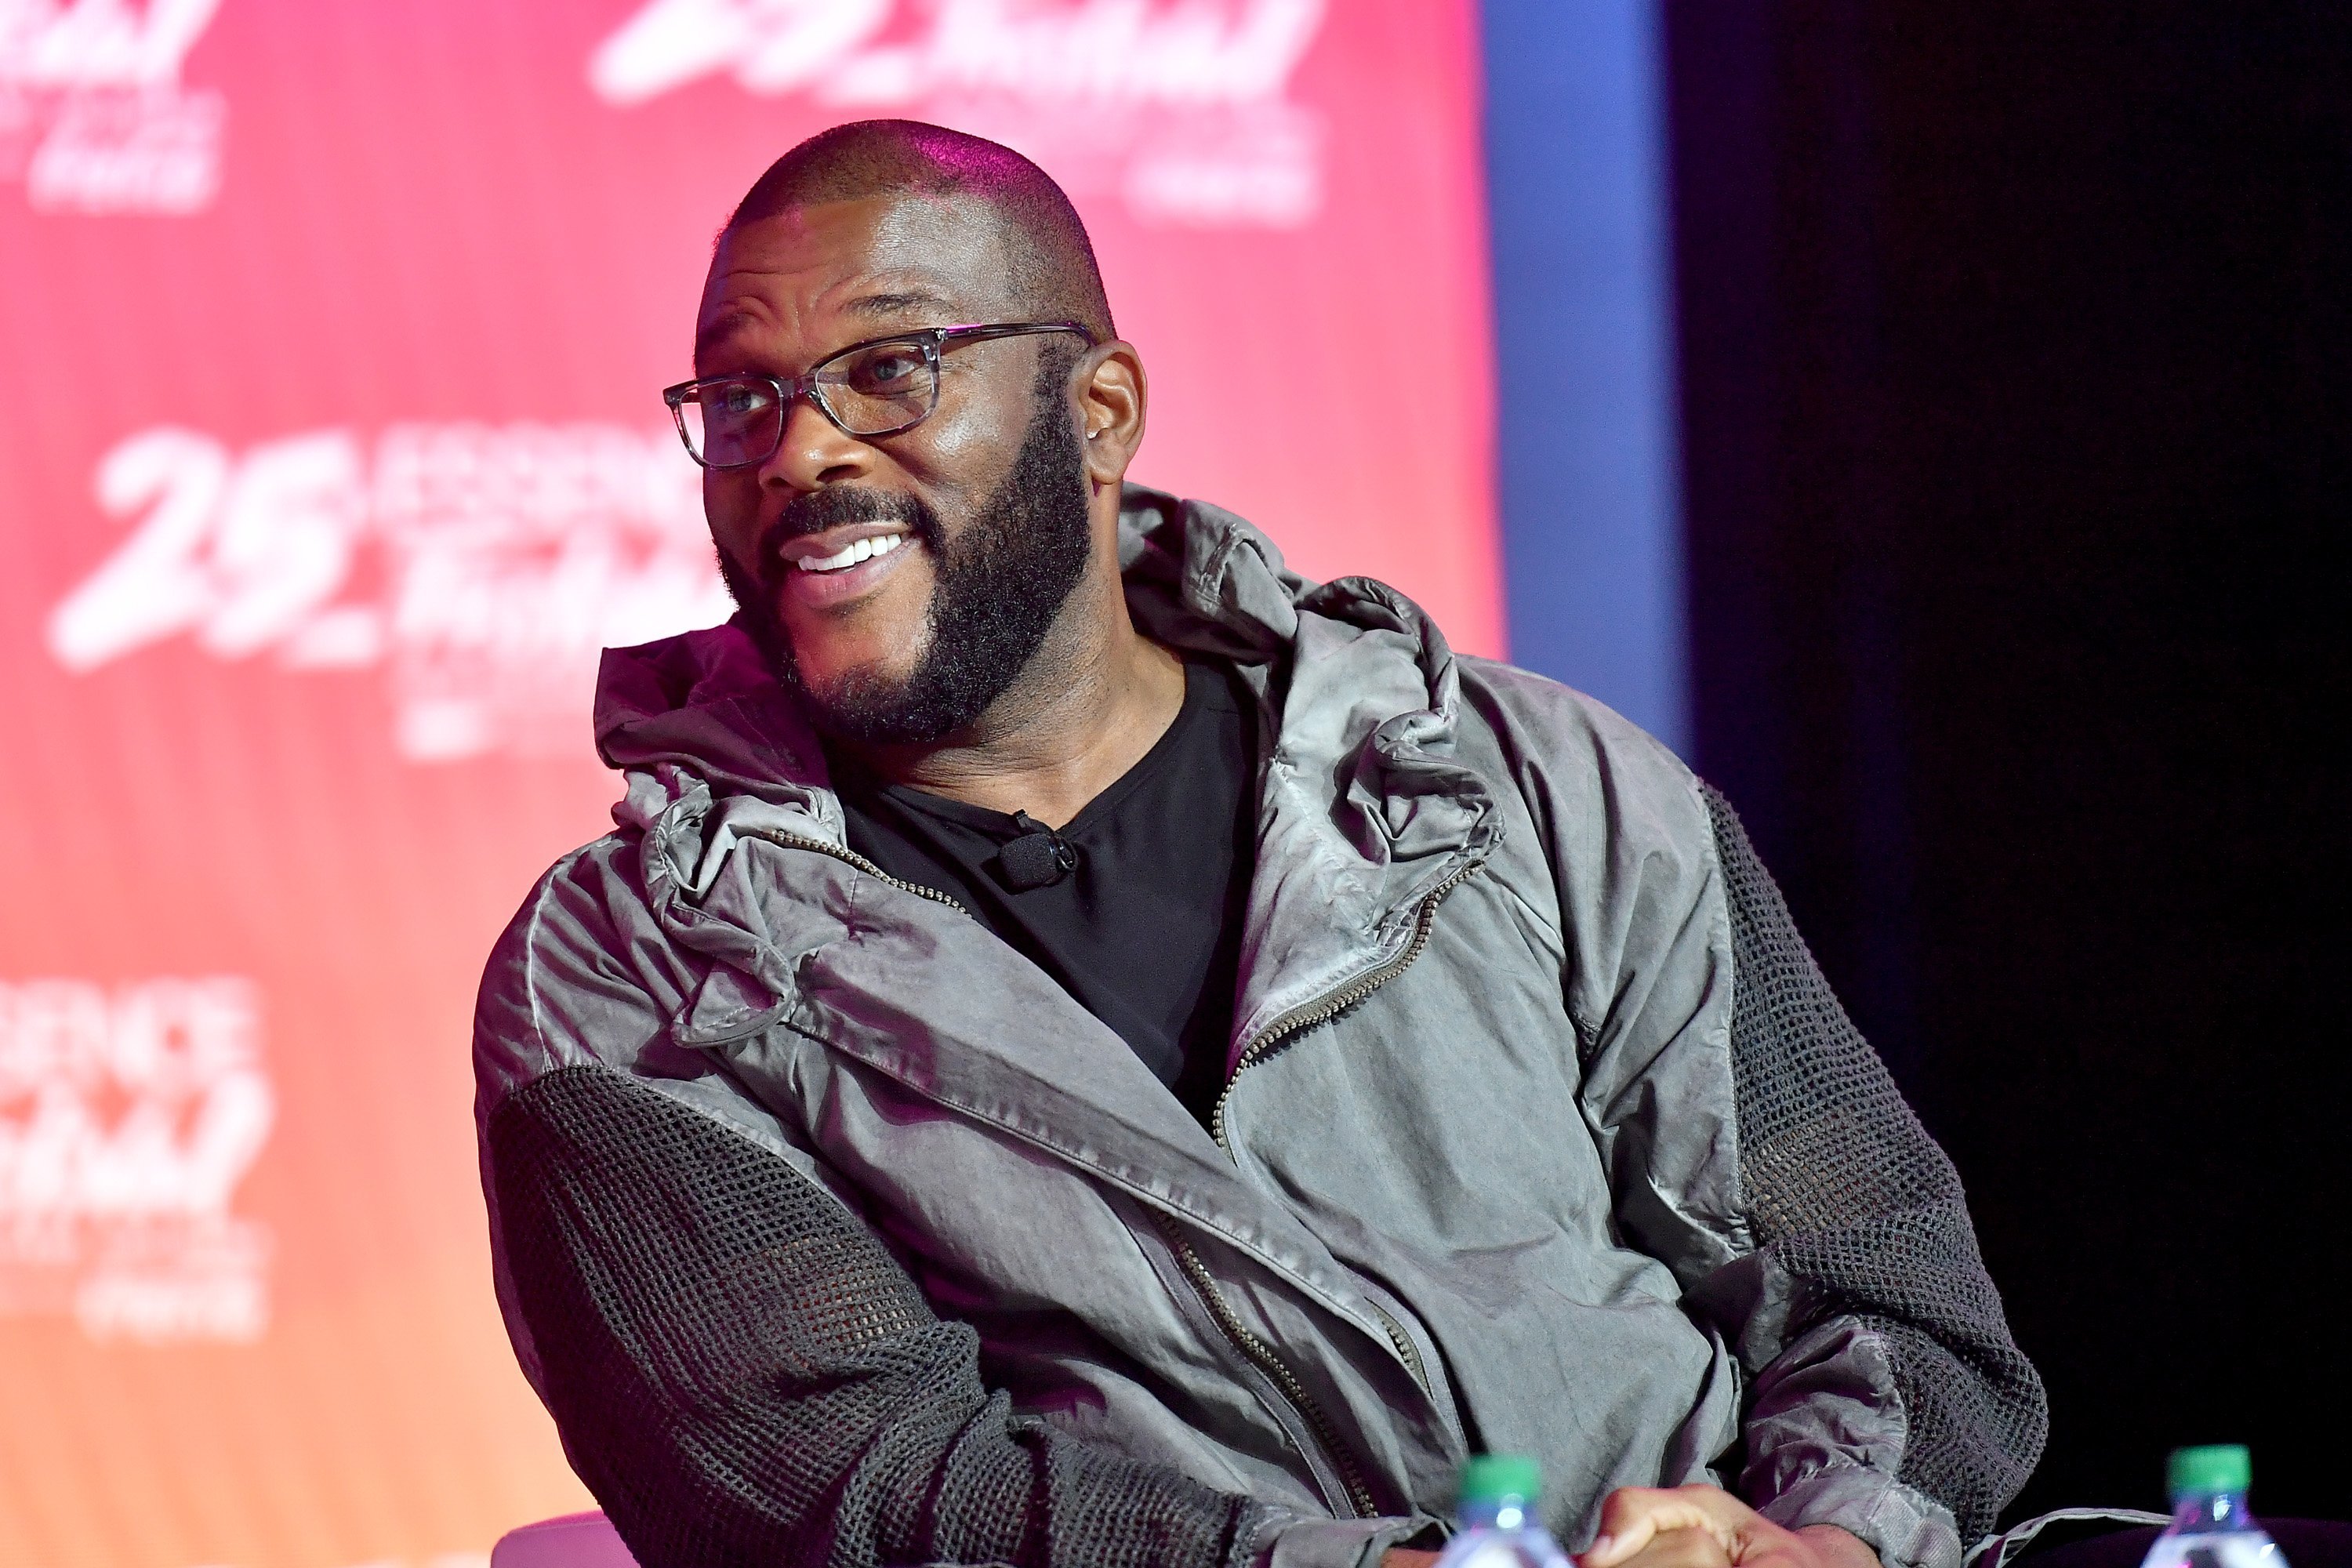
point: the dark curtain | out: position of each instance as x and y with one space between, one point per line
2017 464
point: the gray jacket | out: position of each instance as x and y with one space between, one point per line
832 1230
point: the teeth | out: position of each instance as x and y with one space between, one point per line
851 554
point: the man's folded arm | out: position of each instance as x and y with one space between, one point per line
743 1374
1885 1378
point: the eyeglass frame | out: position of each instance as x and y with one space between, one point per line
934 341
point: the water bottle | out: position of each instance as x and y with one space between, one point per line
1498 1519
2211 1527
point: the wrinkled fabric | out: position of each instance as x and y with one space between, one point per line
1477 1181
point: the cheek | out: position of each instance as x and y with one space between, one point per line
731 503
959 455
957 449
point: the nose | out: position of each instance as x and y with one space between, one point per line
814 452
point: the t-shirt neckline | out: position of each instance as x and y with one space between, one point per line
1199 682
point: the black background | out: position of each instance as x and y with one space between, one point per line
2012 351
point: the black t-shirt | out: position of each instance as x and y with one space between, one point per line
1145 931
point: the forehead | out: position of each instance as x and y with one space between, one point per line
810 277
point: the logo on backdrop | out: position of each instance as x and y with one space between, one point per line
92 115
1177 108
481 567
128 1116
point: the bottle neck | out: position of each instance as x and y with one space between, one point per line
2209 1512
1495 1513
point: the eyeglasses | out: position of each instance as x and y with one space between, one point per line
879 387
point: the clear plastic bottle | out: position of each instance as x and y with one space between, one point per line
1499 1524
2211 1527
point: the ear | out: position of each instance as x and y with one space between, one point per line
1111 393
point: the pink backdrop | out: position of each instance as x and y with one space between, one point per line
329 454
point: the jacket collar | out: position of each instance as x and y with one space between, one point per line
1364 808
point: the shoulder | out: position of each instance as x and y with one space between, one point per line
1618 834
582 975
1593 775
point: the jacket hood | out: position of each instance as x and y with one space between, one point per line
1362 800
1198 579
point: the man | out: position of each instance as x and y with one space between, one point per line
1086 1049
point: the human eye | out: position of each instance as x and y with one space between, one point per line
885 370
736 399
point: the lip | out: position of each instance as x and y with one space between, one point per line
826 590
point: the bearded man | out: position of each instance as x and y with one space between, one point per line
1086 1049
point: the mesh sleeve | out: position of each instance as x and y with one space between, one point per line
743 1376
1854 1200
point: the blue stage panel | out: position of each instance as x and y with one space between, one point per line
1577 193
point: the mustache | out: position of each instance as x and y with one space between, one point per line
837 506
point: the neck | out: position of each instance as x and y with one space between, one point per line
1096 698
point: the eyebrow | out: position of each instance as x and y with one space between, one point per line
888 303
712 334
895 301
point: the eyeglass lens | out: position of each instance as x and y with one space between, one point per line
731 420
880 387
735 420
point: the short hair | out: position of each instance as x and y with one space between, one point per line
1052 260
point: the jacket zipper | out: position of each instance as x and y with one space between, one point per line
1261 1354
1288 1023
852 857
1404 1342
1298 1018
1267 1360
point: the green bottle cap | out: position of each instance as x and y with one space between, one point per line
1501 1478
2218 1468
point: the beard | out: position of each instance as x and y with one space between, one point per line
998 586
